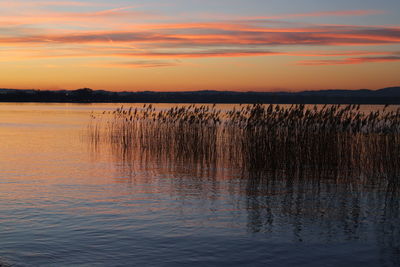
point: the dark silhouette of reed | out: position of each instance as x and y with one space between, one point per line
329 142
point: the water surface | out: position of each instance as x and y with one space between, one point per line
65 202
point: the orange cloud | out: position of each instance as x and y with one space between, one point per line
349 61
216 37
19 4
135 64
21 53
244 37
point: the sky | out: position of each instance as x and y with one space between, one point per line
182 45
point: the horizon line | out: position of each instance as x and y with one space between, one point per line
204 90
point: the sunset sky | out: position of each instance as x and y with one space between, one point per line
174 45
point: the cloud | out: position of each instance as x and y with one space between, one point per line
279 18
349 61
206 53
39 35
25 4
97 18
337 13
215 36
136 64
82 51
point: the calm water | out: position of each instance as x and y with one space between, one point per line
65 202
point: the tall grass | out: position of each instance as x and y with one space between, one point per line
334 167
333 142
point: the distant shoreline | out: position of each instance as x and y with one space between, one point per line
390 95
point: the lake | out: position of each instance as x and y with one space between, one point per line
67 202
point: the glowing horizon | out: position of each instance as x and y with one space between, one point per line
199 45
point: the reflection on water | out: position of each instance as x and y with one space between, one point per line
332 194
65 200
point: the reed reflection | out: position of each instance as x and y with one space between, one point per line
332 169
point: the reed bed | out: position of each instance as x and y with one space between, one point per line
331 165
333 142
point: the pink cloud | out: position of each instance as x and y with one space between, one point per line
349 61
238 38
20 4
338 13
214 36
102 18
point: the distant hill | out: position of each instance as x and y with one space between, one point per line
390 92
390 95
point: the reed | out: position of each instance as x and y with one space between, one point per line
334 166
332 142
